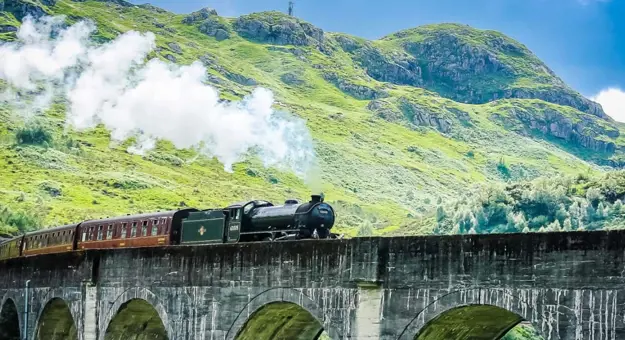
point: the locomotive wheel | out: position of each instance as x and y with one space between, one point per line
323 233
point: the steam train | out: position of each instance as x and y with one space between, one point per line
250 221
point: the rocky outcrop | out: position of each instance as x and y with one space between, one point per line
398 69
7 28
209 23
291 79
421 116
278 29
585 132
357 91
561 96
171 58
405 110
209 61
449 62
457 69
213 26
21 9
386 110
153 8
240 79
116 2
174 47
198 16
348 44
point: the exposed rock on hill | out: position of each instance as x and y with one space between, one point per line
463 64
396 68
354 90
583 131
116 2
210 62
279 29
174 47
21 9
403 109
7 28
290 78
198 16
215 27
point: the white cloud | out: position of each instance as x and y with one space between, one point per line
112 84
613 102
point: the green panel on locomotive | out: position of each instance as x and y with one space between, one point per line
204 227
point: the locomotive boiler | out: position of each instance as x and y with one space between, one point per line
313 219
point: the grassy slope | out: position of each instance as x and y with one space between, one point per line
374 171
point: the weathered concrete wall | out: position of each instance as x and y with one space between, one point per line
569 285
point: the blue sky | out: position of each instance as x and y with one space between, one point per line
583 41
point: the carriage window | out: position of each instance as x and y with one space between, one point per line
84 235
133 231
99 233
154 222
124 229
144 230
154 229
109 232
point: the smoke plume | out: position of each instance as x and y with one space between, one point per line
114 85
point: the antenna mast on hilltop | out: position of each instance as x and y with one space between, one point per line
291 3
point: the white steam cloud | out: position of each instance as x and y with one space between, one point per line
112 84
613 102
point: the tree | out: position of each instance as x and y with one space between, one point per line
593 195
617 207
561 213
567 225
600 213
440 214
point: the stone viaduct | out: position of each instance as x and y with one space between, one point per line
568 285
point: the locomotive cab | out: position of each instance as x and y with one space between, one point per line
235 216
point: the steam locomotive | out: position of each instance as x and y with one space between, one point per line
249 221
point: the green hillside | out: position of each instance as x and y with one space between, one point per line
398 124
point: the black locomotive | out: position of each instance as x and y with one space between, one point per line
260 221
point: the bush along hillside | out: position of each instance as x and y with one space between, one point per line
571 203
397 124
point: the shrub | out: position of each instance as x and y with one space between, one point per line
35 135
15 222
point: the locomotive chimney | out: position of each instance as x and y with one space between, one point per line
316 198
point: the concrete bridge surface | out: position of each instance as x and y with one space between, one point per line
568 285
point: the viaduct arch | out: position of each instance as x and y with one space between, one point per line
283 310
